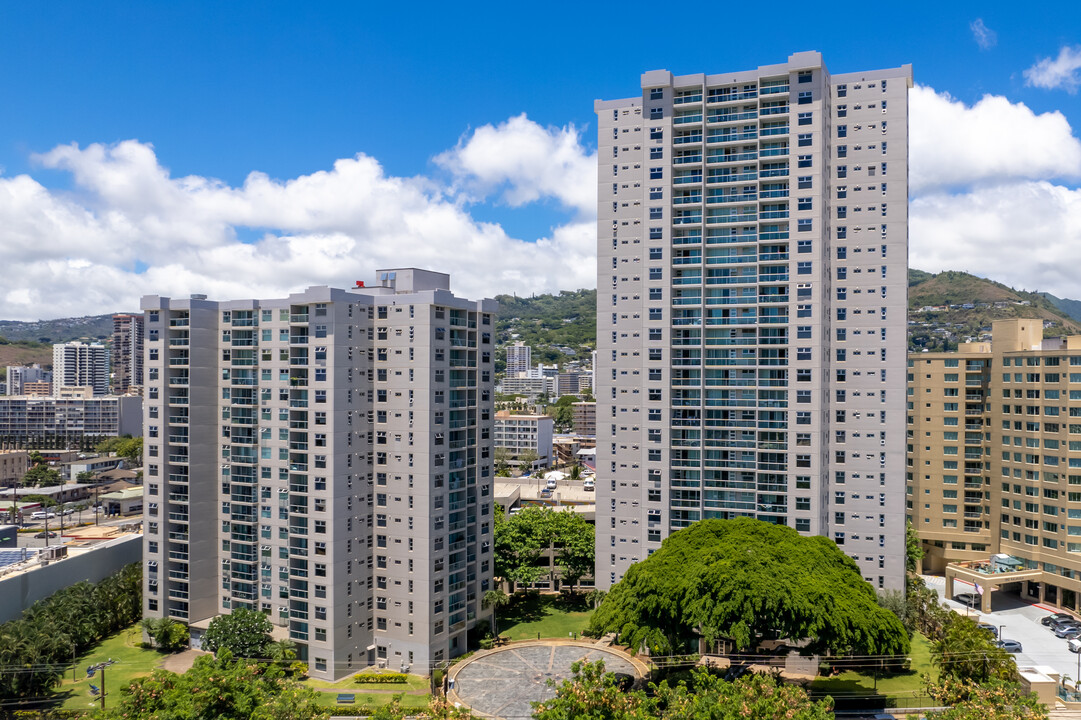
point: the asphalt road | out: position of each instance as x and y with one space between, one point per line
1021 621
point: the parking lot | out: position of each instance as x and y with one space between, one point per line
1020 621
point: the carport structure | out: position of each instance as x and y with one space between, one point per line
989 575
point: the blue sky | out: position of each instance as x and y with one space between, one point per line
222 90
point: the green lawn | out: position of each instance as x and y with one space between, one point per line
413 683
550 615
133 662
849 683
330 699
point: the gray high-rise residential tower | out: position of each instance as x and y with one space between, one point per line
77 364
751 309
325 459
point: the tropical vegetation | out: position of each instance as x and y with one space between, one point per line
592 693
739 580
522 538
218 686
244 633
35 648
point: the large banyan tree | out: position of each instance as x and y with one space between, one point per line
743 579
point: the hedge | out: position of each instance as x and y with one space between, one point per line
387 677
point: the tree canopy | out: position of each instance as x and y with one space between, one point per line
245 633
741 579
992 700
965 652
42 476
218 687
521 539
78 616
595 694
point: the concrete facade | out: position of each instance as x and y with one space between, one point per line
519 358
77 364
18 375
324 458
752 290
19 590
1016 491
521 433
128 337
25 418
584 418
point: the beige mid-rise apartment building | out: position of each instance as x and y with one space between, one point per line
324 458
995 459
520 433
751 308
584 418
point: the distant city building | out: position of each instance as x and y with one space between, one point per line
324 458
13 466
127 352
584 417
18 376
25 418
519 358
77 364
37 388
523 384
522 433
573 383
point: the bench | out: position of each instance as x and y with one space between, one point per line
346 698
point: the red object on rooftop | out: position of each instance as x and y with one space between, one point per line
360 283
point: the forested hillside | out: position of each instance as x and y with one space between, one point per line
547 323
951 307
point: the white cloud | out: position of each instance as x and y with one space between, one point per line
77 252
1060 72
528 162
1024 234
952 143
984 36
982 177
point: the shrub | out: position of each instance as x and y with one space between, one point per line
386 677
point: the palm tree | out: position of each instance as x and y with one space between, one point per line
282 651
495 599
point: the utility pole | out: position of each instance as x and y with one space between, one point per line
94 668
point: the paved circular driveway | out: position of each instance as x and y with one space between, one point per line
502 683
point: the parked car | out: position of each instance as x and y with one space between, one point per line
1010 646
1060 624
970 599
1057 617
589 485
1074 644
42 514
989 628
1068 632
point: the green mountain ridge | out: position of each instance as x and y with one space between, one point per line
954 306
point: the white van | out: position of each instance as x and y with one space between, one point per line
42 514
1074 644
589 484
550 484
